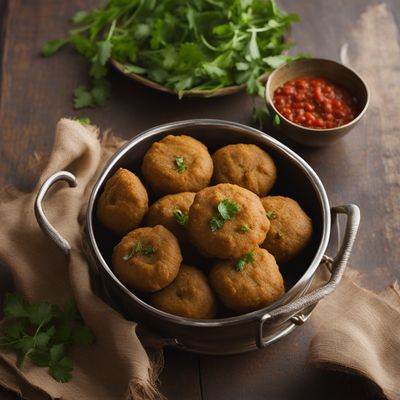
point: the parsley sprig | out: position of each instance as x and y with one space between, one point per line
245 259
226 211
44 333
180 164
180 217
138 248
183 45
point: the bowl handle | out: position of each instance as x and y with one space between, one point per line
41 218
339 263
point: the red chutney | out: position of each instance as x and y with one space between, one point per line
314 103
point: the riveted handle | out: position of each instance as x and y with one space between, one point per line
41 218
338 267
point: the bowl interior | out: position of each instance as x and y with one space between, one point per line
327 69
293 181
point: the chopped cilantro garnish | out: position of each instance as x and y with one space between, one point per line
180 164
135 249
245 259
180 217
226 211
271 215
245 228
148 250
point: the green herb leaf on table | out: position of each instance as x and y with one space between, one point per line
84 120
276 120
180 217
245 259
43 332
52 46
180 164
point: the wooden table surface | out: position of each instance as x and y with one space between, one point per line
363 168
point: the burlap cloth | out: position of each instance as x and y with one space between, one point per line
359 331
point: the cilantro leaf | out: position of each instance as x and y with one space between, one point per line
135 249
216 222
180 164
180 217
148 250
84 120
134 69
82 97
41 358
61 370
15 306
43 332
228 209
104 51
276 121
52 46
245 259
40 313
80 17
271 215
57 351
245 228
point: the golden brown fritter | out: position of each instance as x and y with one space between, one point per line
172 211
259 283
122 205
147 259
245 165
189 295
291 228
177 164
232 237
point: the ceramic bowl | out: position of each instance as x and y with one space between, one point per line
332 71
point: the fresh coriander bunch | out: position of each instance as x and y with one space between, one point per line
43 333
182 45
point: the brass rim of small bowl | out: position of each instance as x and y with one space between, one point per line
224 91
270 102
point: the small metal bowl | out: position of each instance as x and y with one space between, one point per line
327 69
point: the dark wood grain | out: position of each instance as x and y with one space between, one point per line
35 93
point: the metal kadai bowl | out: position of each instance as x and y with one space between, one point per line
231 334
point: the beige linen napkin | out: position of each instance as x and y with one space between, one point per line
116 366
358 332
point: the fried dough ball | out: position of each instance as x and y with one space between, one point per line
122 205
231 237
259 283
147 259
291 228
172 212
177 164
189 295
245 165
